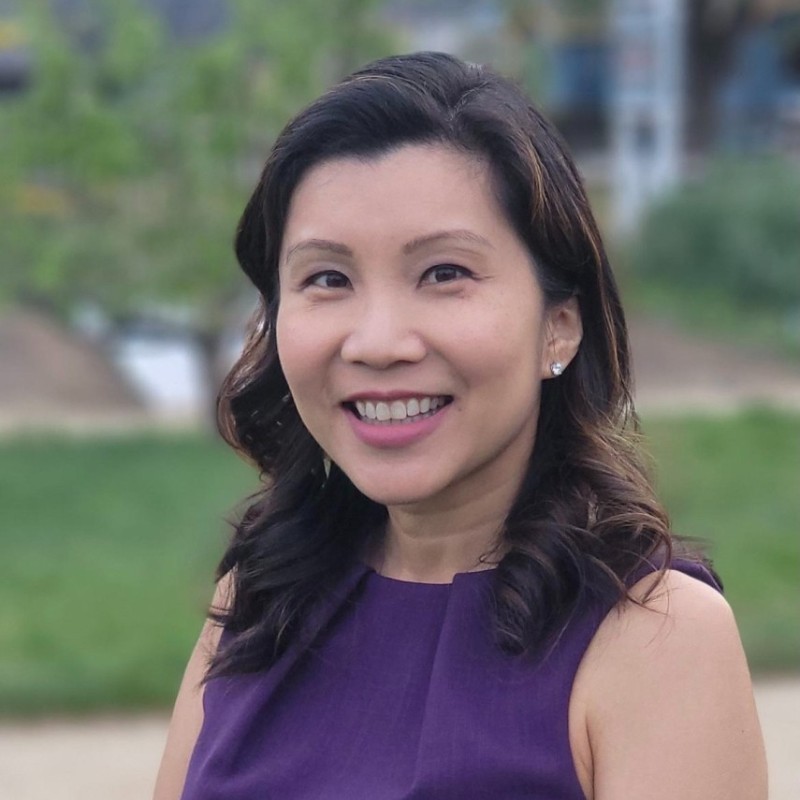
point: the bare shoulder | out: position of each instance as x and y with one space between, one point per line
187 715
672 609
668 698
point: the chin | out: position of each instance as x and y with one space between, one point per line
402 495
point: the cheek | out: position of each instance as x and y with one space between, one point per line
296 351
504 346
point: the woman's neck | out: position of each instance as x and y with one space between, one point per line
431 545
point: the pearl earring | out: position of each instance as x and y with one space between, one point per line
556 368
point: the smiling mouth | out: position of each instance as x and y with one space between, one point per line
398 412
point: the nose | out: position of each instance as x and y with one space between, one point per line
382 334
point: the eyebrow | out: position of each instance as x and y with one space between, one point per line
467 237
319 244
326 245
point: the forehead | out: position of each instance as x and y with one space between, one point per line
409 160
397 195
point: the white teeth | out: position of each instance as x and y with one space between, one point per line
398 410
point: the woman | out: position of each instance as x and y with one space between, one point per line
458 582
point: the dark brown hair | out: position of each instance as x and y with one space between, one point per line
585 519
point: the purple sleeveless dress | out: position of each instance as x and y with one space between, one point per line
403 694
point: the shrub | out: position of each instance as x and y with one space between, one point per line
735 233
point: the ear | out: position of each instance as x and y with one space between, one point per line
563 334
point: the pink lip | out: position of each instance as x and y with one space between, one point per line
398 434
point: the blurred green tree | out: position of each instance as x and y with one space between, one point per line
126 163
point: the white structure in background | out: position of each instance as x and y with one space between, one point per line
647 103
163 366
166 372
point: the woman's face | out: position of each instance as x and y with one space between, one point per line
411 328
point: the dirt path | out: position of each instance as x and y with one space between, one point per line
677 372
779 710
94 759
116 759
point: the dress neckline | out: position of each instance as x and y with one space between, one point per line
458 577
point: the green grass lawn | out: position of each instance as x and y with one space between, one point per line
109 546
735 482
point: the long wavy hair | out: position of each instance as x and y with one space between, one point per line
585 519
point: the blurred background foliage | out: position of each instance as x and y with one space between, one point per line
736 231
127 159
127 162
723 251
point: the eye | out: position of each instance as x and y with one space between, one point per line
445 273
330 279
